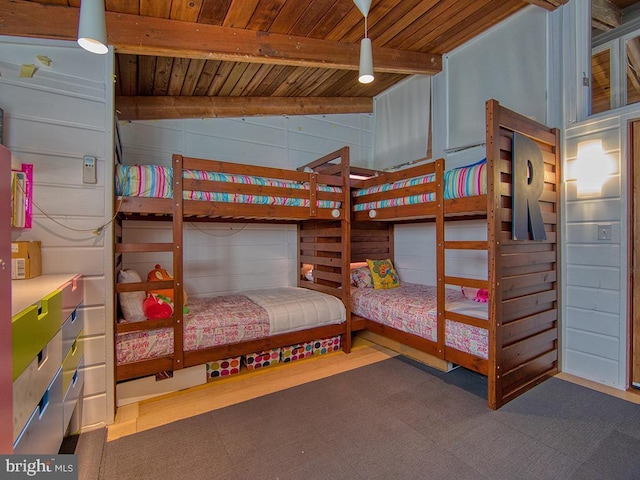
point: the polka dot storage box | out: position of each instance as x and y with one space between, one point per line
223 368
326 345
265 358
296 352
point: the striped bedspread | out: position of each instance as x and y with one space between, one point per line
155 181
466 181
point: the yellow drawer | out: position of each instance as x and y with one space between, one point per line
71 362
33 328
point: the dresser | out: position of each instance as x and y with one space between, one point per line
47 354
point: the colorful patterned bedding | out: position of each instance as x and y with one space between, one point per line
234 318
393 202
466 181
412 308
155 181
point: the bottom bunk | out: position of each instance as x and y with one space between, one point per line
231 325
408 314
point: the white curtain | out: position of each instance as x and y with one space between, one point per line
402 122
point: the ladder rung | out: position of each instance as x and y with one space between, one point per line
467 282
467 245
144 247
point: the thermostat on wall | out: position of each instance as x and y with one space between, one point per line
89 169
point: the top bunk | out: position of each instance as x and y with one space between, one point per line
474 190
216 190
419 192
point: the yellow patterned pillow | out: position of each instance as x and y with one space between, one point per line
383 273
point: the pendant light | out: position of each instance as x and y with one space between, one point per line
92 27
365 74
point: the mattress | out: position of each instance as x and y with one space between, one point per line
235 318
412 307
155 181
466 181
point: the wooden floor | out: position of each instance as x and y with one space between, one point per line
220 393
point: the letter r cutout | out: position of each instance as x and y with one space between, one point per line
528 185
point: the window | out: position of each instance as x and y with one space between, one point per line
615 54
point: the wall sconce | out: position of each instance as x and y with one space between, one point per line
592 168
365 74
92 27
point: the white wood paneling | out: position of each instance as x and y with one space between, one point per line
221 257
592 321
595 272
52 120
498 64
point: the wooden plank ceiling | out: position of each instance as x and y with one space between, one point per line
217 58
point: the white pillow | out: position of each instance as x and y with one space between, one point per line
131 302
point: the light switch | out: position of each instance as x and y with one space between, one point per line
604 232
89 169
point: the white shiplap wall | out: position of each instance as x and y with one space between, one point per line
51 120
459 126
229 257
595 272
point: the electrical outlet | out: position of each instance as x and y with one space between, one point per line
604 232
89 169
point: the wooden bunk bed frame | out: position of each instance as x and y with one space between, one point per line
523 281
323 244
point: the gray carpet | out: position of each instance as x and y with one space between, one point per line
90 451
396 419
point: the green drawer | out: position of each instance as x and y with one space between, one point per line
71 362
33 328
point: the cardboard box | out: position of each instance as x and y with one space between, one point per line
326 345
26 260
223 368
296 352
257 360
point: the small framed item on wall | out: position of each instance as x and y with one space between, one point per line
21 196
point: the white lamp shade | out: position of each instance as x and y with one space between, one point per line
366 61
363 6
92 28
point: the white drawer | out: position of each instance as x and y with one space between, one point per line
71 397
72 295
43 431
31 385
70 330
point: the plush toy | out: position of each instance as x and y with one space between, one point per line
162 299
479 295
159 274
157 306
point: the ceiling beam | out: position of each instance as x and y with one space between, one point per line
164 108
550 5
605 15
133 34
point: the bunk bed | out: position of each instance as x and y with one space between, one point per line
512 339
315 197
